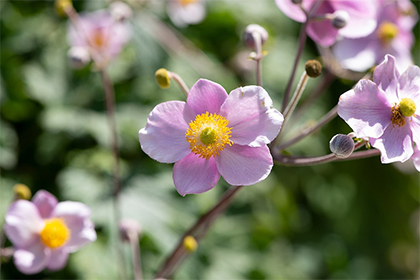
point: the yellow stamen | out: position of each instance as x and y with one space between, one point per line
387 31
55 233
98 38
208 134
187 2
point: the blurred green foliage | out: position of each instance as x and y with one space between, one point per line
344 220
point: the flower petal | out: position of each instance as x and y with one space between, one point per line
416 158
193 174
244 165
356 54
23 223
414 124
45 202
386 77
206 96
163 137
250 114
58 259
294 11
409 85
365 109
76 216
32 259
395 144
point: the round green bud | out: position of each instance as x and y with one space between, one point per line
407 107
22 192
162 78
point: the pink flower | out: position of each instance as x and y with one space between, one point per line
101 34
213 134
185 12
386 110
393 35
362 19
44 231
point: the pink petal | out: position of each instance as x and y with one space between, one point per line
58 259
416 158
365 109
251 116
32 259
386 77
356 54
414 123
322 32
163 138
293 11
45 202
395 144
23 223
244 165
206 96
76 216
193 174
409 85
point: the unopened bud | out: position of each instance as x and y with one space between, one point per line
61 6
297 2
162 78
127 228
190 244
249 38
341 145
340 19
120 11
313 68
79 57
22 192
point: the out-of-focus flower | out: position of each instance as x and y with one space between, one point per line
185 12
22 191
101 34
393 35
362 18
128 227
120 11
44 231
79 57
213 134
387 110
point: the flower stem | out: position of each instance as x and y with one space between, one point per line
135 255
180 82
259 56
198 231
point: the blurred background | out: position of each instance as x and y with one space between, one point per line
342 220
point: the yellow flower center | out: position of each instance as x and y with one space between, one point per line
387 31
98 38
187 2
208 134
55 233
406 108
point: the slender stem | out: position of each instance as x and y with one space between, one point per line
135 255
180 82
302 40
324 120
198 230
258 50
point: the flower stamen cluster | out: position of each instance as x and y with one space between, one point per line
55 233
406 108
387 31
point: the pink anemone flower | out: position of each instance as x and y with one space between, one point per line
44 231
213 134
362 18
393 36
101 34
387 110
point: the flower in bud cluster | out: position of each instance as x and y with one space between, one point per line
340 19
22 192
341 145
120 11
162 78
249 38
79 57
127 228
313 68
190 244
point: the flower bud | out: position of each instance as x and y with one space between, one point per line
127 228
340 19
79 57
120 11
248 36
313 68
297 2
190 244
61 6
22 192
162 78
342 145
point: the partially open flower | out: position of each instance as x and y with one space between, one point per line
249 37
120 11
44 231
127 228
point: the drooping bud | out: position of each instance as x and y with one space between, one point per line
297 2
340 19
313 68
190 244
22 192
79 57
341 145
127 228
61 6
120 11
162 78
249 38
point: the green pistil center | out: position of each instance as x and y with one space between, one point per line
407 107
208 136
